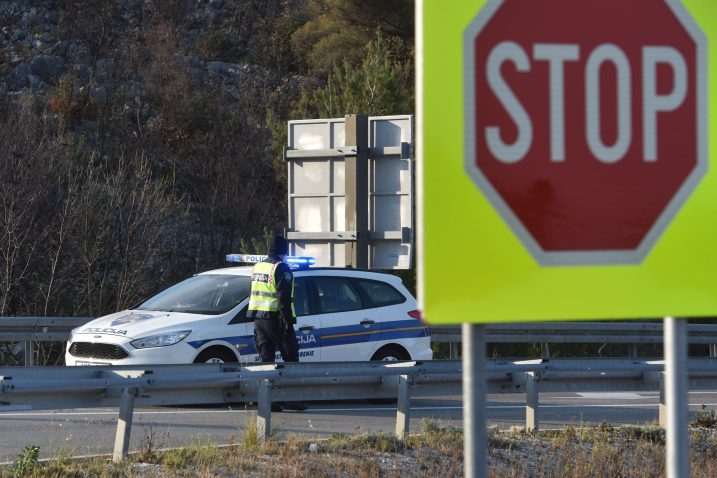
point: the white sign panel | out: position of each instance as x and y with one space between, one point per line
317 191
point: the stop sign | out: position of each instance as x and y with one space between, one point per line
585 122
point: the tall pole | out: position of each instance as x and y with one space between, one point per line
676 385
475 439
356 191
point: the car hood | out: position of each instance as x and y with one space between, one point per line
138 323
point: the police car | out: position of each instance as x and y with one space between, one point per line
342 315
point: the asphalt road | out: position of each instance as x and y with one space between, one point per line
92 431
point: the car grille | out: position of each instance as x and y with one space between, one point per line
100 351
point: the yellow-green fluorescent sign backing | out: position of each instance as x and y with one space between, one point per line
565 159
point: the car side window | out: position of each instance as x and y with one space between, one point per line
380 294
301 303
241 317
301 297
336 294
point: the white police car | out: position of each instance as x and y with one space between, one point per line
342 314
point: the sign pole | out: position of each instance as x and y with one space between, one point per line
356 191
676 387
475 440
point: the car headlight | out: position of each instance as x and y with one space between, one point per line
160 340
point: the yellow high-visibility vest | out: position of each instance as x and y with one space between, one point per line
264 298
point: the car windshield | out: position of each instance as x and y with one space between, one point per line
210 294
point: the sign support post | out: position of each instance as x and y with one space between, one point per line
677 383
475 439
357 191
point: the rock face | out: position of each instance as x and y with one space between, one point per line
109 48
36 72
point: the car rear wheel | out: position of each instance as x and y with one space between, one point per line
216 355
390 353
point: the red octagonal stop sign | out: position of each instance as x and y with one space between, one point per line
585 122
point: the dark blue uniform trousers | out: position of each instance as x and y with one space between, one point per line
272 333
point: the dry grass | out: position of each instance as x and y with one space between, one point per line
436 451
633 451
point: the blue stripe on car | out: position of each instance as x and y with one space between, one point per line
332 336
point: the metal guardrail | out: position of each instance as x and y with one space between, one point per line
39 329
125 387
50 329
579 332
30 330
632 333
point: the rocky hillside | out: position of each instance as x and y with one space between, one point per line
133 44
124 127
85 35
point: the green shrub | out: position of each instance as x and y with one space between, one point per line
26 461
705 419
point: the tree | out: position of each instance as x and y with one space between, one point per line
381 85
339 29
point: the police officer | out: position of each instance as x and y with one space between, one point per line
271 305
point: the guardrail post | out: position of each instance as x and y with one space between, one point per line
124 424
29 353
544 350
453 351
403 411
662 414
532 419
713 350
263 409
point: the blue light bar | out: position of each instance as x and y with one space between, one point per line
300 262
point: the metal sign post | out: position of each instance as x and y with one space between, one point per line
356 191
475 440
677 383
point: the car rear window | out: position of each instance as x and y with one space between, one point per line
380 293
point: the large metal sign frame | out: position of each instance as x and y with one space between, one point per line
350 191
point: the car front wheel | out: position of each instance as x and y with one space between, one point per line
216 355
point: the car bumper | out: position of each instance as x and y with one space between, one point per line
180 353
426 354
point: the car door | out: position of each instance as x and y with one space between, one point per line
307 329
346 327
308 325
241 331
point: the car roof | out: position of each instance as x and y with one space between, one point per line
330 271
